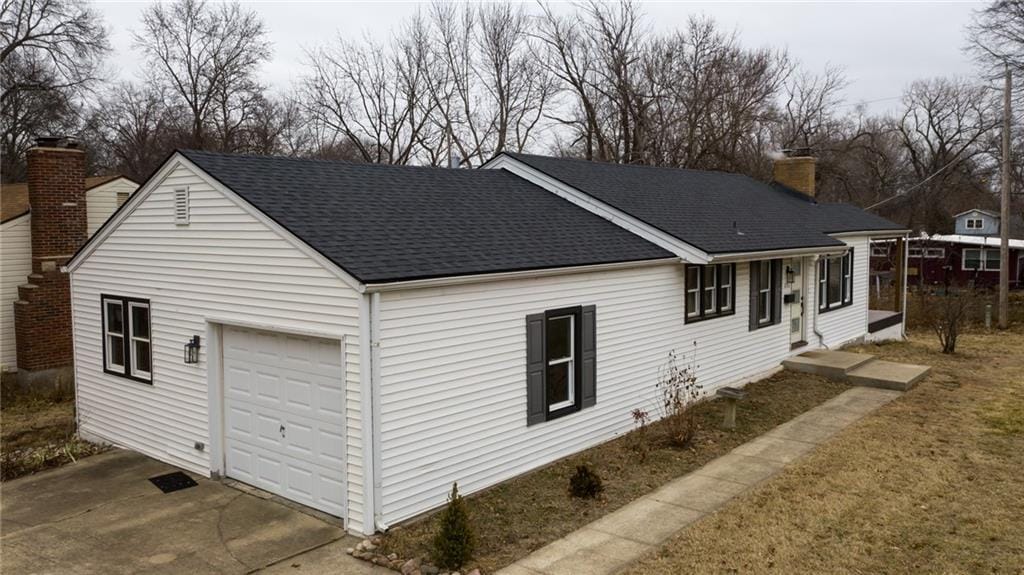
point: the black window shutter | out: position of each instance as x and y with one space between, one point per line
588 357
755 269
536 411
776 291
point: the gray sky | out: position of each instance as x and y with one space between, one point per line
882 46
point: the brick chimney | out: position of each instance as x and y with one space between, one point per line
795 170
42 314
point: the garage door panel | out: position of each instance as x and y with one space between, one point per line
285 424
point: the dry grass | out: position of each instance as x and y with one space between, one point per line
38 432
524 514
932 483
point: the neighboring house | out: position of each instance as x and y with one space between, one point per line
102 194
969 257
357 337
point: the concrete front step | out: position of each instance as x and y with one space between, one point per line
888 375
830 364
858 369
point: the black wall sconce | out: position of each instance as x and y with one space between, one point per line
192 350
790 275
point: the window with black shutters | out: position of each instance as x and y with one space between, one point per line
765 293
561 367
709 291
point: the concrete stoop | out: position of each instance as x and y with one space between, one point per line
859 369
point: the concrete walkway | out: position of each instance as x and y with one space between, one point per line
618 539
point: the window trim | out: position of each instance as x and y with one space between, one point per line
723 307
759 320
980 223
576 373
127 371
846 283
982 260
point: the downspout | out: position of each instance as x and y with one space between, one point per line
905 255
817 304
378 513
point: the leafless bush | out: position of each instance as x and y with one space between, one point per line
680 391
946 312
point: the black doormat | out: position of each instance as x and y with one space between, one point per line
173 481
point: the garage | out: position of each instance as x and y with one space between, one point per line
284 416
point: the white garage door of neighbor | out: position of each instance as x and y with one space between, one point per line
284 424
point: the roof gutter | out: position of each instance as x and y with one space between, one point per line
767 254
873 233
524 274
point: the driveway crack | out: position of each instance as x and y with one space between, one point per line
220 532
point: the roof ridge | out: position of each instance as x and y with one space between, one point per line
644 166
329 161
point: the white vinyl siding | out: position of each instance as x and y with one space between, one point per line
16 262
102 201
226 265
453 373
845 324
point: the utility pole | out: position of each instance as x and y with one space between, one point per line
1004 213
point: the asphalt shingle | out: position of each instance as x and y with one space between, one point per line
390 223
717 212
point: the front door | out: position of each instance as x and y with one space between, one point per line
794 289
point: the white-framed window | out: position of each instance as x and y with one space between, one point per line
979 259
914 252
935 253
880 251
127 338
975 223
709 291
764 295
561 361
113 335
835 281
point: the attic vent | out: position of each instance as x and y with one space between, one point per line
181 206
122 197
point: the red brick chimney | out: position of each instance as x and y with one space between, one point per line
42 314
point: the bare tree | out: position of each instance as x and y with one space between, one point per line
208 56
52 53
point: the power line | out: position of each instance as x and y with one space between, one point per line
915 186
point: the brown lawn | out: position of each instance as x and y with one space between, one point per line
931 483
38 432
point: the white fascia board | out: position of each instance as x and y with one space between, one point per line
772 254
872 233
491 277
687 252
157 180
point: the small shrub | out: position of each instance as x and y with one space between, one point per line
638 440
947 313
679 390
453 543
585 483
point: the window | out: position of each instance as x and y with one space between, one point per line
561 362
975 223
978 259
122 197
914 252
709 291
561 367
879 251
935 253
127 338
765 293
835 281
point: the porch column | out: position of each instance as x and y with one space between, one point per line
899 274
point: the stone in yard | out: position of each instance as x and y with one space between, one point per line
474 572
392 556
411 565
428 569
350 551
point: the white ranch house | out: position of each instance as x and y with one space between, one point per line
370 334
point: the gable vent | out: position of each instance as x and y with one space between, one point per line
181 206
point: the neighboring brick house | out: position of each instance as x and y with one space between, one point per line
44 221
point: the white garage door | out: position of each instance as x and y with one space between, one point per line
283 416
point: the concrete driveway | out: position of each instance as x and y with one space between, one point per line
102 515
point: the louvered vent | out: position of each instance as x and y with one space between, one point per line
181 206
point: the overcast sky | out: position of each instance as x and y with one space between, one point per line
882 46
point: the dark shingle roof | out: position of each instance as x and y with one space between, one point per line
717 212
390 223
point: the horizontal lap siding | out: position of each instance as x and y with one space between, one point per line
101 201
453 373
16 263
225 264
847 324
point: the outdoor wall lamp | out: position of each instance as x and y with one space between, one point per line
192 350
790 275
